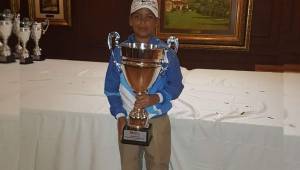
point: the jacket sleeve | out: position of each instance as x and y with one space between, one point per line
173 87
111 89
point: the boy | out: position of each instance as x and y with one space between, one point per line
168 86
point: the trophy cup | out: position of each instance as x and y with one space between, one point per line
141 64
5 31
16 30
24 35
37 29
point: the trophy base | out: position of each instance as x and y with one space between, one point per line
134 136
28 60
7 59
38 57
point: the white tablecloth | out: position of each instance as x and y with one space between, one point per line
228 120
9 116
292 121
224 120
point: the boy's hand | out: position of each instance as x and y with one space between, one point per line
121 124
145 100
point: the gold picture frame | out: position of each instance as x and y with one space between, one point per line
199 24
57 11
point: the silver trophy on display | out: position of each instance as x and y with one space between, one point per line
141 64
16 30
5 31
173 43
37 29
24 35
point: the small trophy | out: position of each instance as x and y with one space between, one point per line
141 64
16 30
37 29
24 35
5 31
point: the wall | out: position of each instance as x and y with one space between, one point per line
275 37
4 4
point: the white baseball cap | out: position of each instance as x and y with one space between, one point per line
152 5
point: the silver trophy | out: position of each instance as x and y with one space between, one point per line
173 43
141 64
16 30
37 29
5 31
24 35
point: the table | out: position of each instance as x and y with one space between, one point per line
292 120
224 120
9 116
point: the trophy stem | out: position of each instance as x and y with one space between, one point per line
6 48
25 58
24 50
37 44
5 41
138 117
37 48
18 46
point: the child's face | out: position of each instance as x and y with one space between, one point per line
143 23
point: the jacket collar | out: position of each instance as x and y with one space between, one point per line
152 40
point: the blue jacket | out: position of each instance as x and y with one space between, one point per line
121 97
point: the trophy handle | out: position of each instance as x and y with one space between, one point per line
173 43
46 23
112 42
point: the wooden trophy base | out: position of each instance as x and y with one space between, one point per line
134 136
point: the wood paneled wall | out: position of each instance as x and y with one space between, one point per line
275 37
4 4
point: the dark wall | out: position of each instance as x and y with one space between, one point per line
275 37
4 4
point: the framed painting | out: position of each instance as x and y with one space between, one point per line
221 24
57 11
